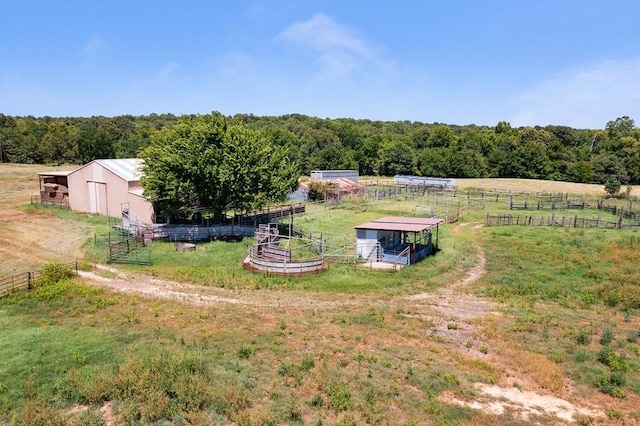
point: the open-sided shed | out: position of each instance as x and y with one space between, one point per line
403 240
54 188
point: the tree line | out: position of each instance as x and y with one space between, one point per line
374 148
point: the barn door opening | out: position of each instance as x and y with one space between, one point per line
98 198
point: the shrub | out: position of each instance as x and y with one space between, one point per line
52 273
245 351
617 362
307 363
581 356
584 337
610 384
614 414
612 185
38 413
317 401
607 336
340 397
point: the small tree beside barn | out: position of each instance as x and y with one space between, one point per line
203 165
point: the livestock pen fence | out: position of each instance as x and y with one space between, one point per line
622 211
25 280
562 221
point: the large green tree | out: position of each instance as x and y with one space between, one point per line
60 144
205 165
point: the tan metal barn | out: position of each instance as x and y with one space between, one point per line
110 187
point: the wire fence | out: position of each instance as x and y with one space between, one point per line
25 280
562 221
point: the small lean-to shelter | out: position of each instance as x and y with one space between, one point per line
54 188
110 188
400 240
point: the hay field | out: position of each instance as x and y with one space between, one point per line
533 185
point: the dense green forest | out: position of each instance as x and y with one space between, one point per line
373 147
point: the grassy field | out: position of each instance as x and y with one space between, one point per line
549 311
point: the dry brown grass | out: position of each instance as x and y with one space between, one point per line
30 238
533 185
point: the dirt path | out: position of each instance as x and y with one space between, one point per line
196 295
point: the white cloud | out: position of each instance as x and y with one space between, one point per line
93 47
166 72
584 98
340 50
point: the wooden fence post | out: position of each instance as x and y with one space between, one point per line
28 280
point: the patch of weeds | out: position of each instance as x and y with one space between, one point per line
369 395
581 356
583 337
393 389
447 414
340 397
440 381
557 357
633 336
371 317
452 326
585 420
484 349
607 336
307 363
613 414
245 351
610 384
286 369
617 362
52 273
317 401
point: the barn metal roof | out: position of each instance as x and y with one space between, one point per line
129 169
56 173
403 224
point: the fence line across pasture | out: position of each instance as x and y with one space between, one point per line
24 281
626 212
562 221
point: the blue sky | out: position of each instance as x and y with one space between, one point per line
563 62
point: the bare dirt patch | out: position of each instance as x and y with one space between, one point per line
196 295
523 404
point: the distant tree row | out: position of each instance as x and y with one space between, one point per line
375 148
